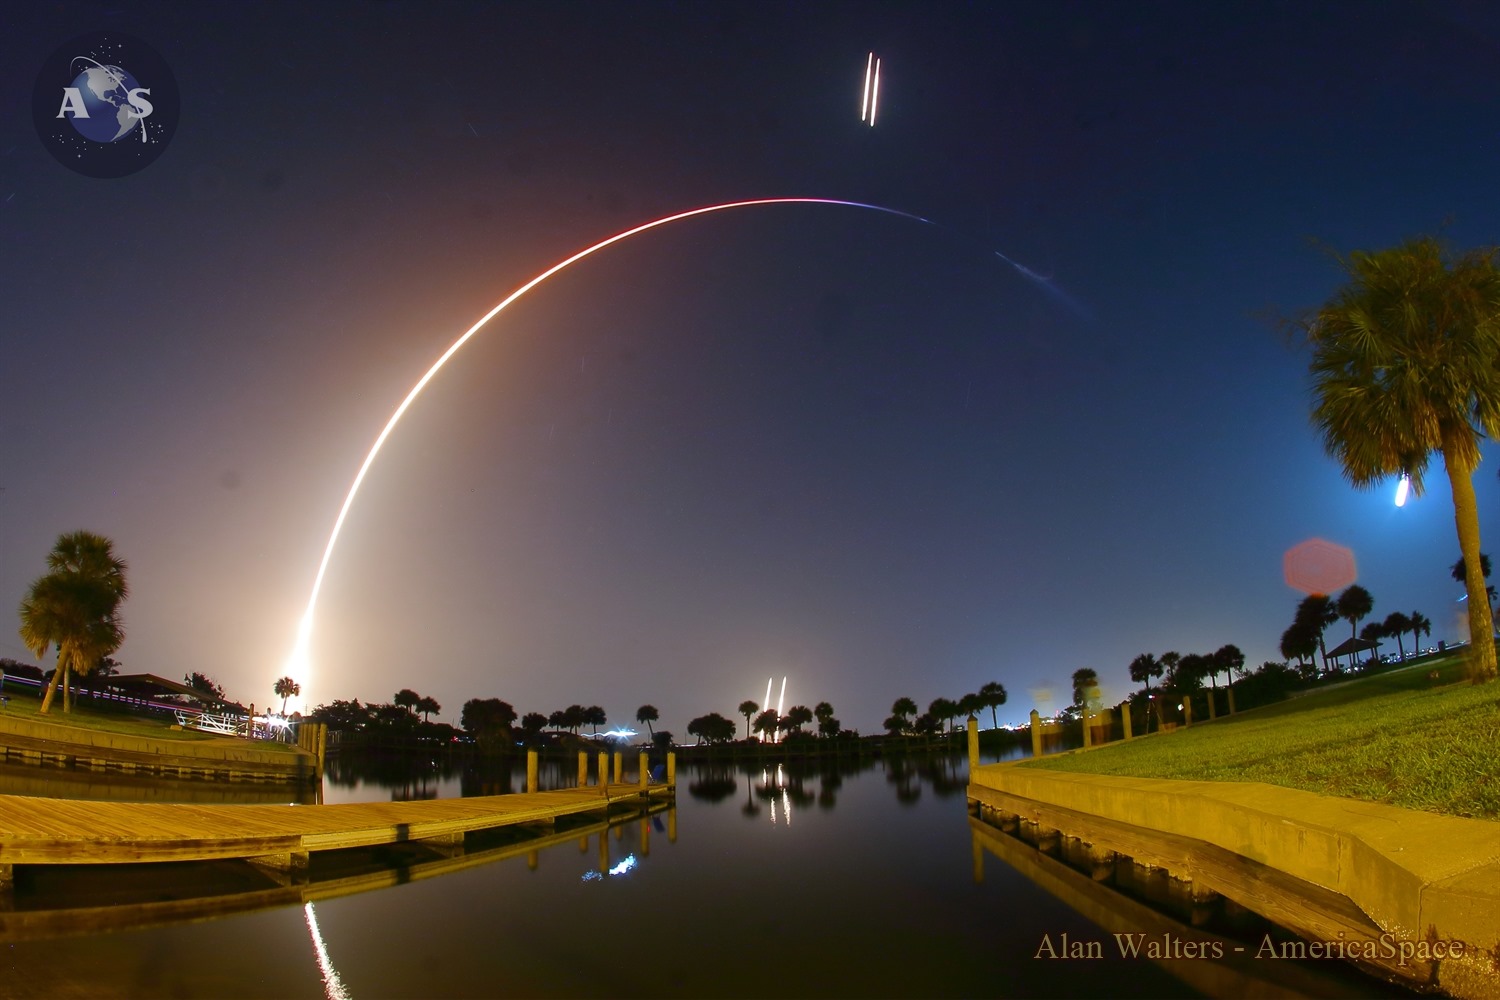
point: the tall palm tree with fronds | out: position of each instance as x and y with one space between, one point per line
285 688
648 714
747 709
1404 365
75 608
1420 623
993 693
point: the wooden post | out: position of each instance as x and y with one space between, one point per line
973 727
645 775
1213 710
1231 699
1187 710
619 767
1087 726
322 747
672 768
1036 734
583 769
672 825
1125 716
531 776
603 770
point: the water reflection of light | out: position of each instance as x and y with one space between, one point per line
619 869
333 986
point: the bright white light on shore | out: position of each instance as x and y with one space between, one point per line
1401 490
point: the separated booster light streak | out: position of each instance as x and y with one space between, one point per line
872 90
299 664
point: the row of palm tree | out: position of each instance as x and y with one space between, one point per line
904 719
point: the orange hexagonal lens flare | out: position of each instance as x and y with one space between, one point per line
1317 566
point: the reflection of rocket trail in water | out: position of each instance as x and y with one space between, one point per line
333 986
299 663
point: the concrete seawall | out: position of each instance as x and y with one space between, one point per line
215 758
1418 877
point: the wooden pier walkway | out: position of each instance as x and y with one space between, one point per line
72 907
37 831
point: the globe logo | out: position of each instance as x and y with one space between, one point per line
114 102
105 105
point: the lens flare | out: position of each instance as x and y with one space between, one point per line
1402 488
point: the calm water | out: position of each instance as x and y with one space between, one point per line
781 882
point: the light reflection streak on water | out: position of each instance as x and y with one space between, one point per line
619 869
333 986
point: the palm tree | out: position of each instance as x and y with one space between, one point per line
798 716
287 688
407 698
767 723
903 708
427 706
75 607
648 714
1142 669
594 716
1314 614
943 708
1353 605
1460 573
1226 658
747 709
1403 366
1395 625
1373 632
823 712
1419 625
1085 685
993 694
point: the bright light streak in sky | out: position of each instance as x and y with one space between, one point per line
872 90
299 663
1401 490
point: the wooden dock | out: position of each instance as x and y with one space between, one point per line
38 831
60 905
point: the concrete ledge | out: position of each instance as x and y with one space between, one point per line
214 757
1419 876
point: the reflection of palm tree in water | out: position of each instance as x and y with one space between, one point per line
904 777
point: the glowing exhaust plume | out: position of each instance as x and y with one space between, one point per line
299 663
767 702
875 93
781 701
1401 490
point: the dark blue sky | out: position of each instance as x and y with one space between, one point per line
810 441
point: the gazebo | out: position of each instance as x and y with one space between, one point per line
1349 647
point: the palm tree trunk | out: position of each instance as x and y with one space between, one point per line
67 692
52 687
1466 519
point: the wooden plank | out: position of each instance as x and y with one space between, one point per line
55 831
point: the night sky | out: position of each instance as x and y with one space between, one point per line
815 441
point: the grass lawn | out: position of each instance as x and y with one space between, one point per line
1399 738
25 704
